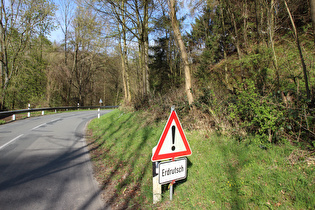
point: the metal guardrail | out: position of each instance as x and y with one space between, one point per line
5 114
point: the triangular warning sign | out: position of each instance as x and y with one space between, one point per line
173 142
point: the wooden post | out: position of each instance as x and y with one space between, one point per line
157 188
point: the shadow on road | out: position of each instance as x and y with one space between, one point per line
47 177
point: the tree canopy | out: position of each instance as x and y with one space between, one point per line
246 65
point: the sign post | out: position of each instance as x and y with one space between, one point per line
172 144
99 109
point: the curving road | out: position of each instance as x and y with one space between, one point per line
44 164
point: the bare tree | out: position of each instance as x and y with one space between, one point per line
123 54
133 17
184 55
271 23
19 22
308 94
86 45
312 8
66 10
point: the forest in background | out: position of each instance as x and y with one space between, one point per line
245 67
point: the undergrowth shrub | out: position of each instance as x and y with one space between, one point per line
212 103
246 111
300 125
160 105
257 114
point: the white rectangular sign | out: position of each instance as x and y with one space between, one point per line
173 170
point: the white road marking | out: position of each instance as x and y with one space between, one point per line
45 124
38 126
3 146
55 120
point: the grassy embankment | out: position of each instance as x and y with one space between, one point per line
222 173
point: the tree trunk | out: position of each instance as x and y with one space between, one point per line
1 58
183 51
245 20
257 12
224 46
3 55
141 81
308 94
66 58
141 53
144 47
237 42
271 36
146 44
144 77
312 8
126 68
123 71
124 58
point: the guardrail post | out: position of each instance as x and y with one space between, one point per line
28 113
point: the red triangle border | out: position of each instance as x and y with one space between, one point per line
156 156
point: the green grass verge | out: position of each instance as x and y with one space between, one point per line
222 173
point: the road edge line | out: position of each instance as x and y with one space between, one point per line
6 144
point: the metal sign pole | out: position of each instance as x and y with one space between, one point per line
171 192
172 183
171 187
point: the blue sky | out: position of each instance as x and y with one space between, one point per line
58 36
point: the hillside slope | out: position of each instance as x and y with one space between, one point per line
222 172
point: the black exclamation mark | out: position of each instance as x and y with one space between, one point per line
173 137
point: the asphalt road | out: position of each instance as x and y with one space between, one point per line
45 164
